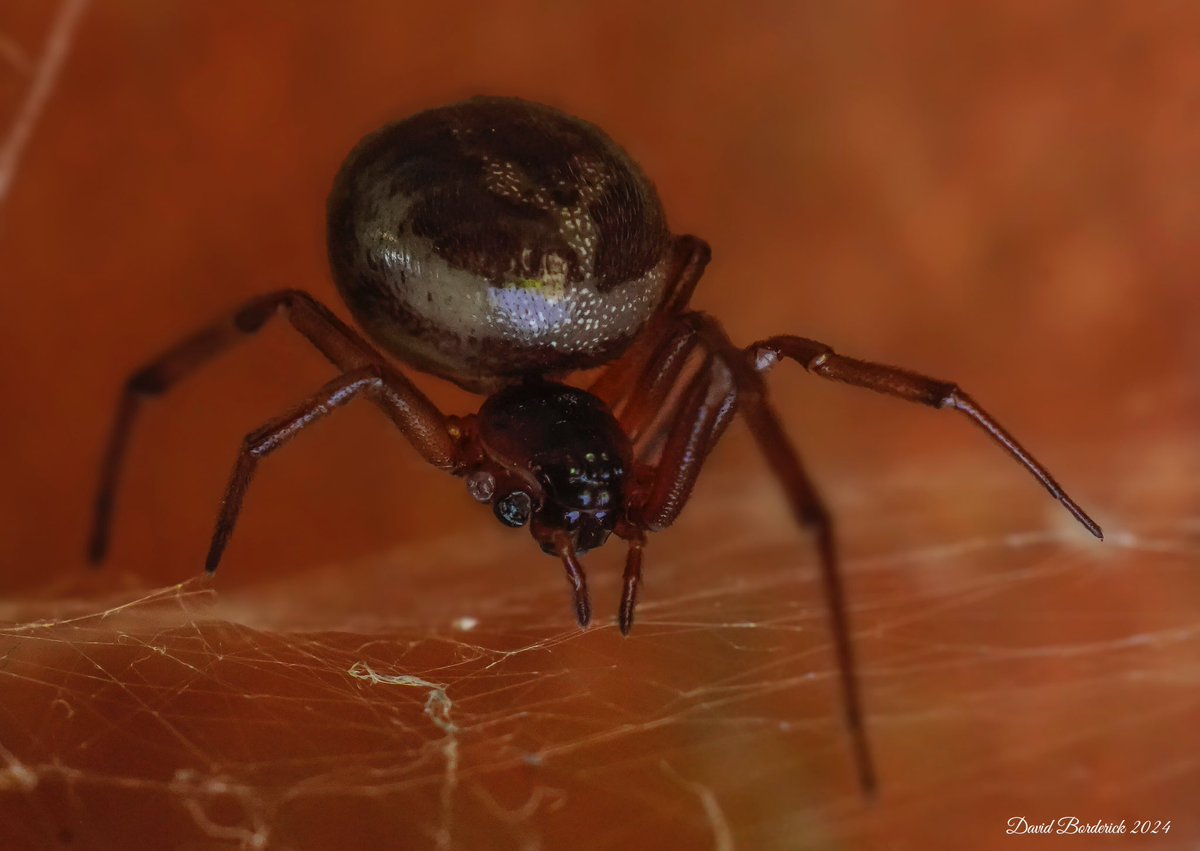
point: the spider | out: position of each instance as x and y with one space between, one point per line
502 244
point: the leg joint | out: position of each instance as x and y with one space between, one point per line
252 317
950 396
147 382
815 516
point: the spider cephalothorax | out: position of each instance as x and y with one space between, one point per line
553 457
502 244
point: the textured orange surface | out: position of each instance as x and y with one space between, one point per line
1007 197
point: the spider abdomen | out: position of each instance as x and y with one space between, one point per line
497 238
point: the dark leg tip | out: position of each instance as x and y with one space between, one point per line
1095 529
576 579
628 604
216 547
871 793
1081 515
629 589
97 550
583 611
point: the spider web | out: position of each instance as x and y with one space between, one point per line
438 696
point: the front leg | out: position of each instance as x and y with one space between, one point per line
689 257
333 338
821 360
415 416
724 384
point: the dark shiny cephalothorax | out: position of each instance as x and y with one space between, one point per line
569 448
496 238
498 243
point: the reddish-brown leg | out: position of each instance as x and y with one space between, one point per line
648 402
821 360
422 422
685 423
689 430
576 578
646 414
809 510
689 257
702 414
725 383
631 581
688 424
384 385
690 433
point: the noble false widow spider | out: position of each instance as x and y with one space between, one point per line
501 245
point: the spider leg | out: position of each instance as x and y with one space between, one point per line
631 581
423 423
725 383
648 400
689 257
821 360
388 388
681 414
688 434
576 578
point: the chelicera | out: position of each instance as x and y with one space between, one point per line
503 245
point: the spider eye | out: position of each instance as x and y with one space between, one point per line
481 485
513 509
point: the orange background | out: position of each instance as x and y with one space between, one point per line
1005 196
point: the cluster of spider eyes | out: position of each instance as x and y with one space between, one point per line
512 509
594 477
516 507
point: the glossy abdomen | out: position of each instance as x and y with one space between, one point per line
496 238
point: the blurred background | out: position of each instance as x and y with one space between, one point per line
1004 195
